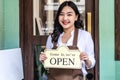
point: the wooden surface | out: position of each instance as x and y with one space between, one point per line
117 30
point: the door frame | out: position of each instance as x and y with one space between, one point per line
26 37
117 28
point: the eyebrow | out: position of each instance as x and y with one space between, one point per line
67 12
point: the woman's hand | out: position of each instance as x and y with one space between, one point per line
42 57
84 56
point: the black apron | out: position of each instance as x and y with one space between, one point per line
65 74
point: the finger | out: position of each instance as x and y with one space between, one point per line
84 57
42 57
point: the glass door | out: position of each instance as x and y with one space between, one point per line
36 23
44 14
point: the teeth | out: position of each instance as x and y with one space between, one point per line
65 22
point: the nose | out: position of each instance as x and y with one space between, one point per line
65 17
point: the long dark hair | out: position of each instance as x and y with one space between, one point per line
58 29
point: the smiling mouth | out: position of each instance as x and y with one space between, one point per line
65 22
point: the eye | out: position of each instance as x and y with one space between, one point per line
61 14
69 14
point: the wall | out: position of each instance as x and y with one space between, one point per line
11 21
117 70
1 25
106 29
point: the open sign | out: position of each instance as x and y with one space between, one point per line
62 57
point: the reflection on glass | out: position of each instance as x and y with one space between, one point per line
39 71
44 14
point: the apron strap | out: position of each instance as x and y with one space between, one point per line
75 38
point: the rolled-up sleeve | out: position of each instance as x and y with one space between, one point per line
90 50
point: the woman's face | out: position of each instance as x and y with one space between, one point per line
67 17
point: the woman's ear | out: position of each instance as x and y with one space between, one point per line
76 17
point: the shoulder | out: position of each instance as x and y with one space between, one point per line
49 37
49 44
84 33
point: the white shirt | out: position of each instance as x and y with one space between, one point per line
84 44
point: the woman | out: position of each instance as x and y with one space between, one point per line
68 31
